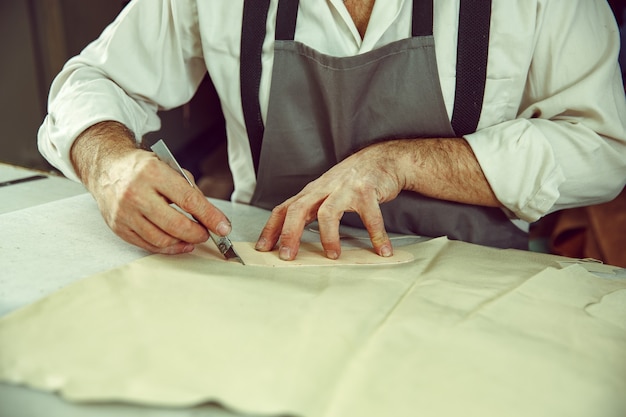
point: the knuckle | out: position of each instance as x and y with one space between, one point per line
189 200
176 223
184 228
301 212
189 174
328 213
297 207
115 220
130 193
120 231
267 231
162 241
365 190
378 240
308 188
279 210
329 242
115 225
146 170
149 166
287 236
379 237
377 223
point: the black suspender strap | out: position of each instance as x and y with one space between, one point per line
252 37
471 66
286 18
422 24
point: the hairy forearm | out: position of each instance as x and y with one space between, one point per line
97 147
443 168
133 190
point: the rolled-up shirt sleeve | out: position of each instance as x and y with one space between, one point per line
567 147
143 62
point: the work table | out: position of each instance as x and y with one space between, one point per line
52 236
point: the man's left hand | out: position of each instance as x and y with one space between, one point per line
358 184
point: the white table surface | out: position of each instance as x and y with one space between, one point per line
31 193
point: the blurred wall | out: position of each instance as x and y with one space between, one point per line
20 103
36 39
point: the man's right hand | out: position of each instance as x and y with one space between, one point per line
134 189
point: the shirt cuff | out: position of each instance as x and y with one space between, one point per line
79 110
524 178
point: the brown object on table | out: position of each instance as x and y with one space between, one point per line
597 232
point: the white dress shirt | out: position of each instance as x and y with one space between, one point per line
552 133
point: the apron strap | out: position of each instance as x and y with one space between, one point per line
471 72
471 64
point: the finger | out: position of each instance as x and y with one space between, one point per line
192 201
130 224
174 248
190 176
328 218
168 230
177 226
271 231
299 213
373 221
161 224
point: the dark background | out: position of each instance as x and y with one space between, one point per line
36 39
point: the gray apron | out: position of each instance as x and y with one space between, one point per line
324 108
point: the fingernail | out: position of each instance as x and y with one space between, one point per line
284 253
260 244
385 251
223 228
331 254
189 247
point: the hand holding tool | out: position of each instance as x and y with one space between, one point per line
223 243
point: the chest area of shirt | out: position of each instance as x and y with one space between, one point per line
360 11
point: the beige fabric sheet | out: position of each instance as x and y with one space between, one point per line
460 330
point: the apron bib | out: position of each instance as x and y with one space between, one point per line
324 108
